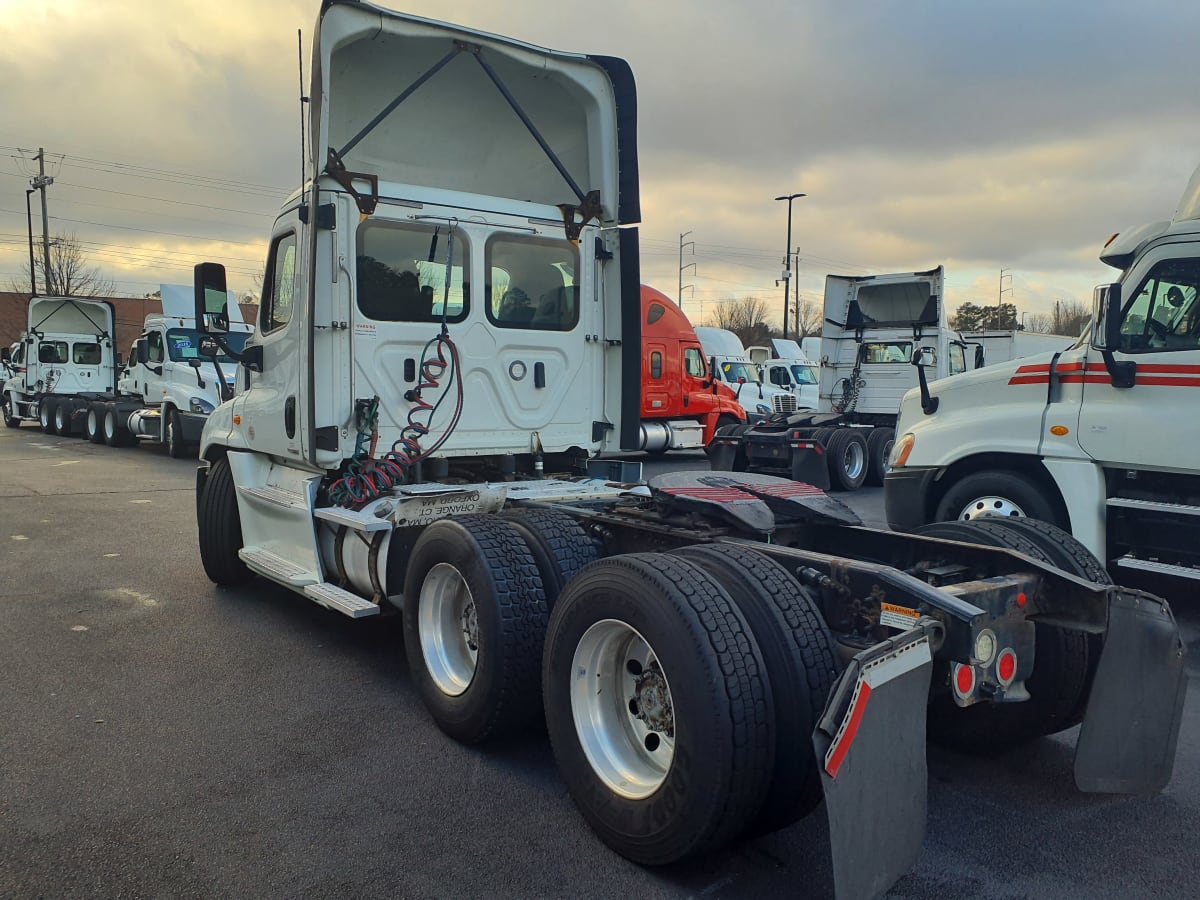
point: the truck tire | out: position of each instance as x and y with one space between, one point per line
11 420
474 625
637 643
560 546
93 425
1057 687
115 432
64 410
997 492
846 455
801 665
1063 551
220 528
176 446
46 414
879 448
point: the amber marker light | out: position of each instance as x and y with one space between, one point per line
1059 430
237 420
1111 239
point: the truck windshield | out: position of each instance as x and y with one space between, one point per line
733 372
184 343
805 374
887 352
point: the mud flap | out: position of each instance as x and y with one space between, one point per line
870 743
1127 742
808 464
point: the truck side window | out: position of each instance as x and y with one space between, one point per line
693 362
18 356
280 284
85 354
779 376
155 352
1164 314
401 273
656 365
958 359
531 282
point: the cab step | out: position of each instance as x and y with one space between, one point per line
275 496
275 567
1158 506
333 597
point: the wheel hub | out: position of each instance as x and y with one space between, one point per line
990 506
651 700
470 626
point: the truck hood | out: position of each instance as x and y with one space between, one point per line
411 101
977 381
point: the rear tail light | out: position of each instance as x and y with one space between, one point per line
1006 666
962 679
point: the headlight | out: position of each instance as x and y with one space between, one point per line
763 409
200 406
901 450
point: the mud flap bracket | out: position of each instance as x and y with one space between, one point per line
870 745
1127 742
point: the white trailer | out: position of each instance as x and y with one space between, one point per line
1097 436
1003 346
409 435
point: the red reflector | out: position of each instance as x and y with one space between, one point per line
1006 666
842 747
964 680
1021 600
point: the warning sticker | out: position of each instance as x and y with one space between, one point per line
900 617
365 330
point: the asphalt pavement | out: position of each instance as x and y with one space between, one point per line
160 737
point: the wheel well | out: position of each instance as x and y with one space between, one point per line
1029 466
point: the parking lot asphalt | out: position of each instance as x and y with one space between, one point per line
160 737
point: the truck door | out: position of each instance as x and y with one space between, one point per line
656 394
1152 424
272 405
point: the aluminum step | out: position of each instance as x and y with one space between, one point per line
333 597
275 567
1159 568
366 519
276 496
1176 509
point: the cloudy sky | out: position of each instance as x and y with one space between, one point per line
1013 135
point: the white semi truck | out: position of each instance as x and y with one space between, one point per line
64 360
68 379
712 654
1099 437
783 364
730 363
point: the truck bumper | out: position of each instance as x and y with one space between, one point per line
905 496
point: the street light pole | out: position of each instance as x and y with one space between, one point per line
787 260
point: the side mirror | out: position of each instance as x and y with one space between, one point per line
194 363
212 298
1106 317
119 361
5 355
925 357
142 350
208 347
979 363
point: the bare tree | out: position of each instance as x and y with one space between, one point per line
745 317
70 273
1069 317
1039 323
807 318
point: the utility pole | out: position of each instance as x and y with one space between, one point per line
1004 273
691 265
32 265
786 277
40 183
797 267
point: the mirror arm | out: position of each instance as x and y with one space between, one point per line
1123 374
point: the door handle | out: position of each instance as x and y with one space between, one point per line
289 417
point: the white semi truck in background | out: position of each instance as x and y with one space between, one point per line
1099 437
731 364
713 654
783 364
68 378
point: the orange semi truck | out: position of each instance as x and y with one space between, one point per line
682 407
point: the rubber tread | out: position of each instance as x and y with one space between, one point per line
220 528
707 620
876 458
520 603
11 420
1057 685
798 650
560 546
838 479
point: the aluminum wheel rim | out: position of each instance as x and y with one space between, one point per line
990 506
629 744
110 424
93 426
43 416
853 459
449 629
60 418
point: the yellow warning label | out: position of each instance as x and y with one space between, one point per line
900 617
